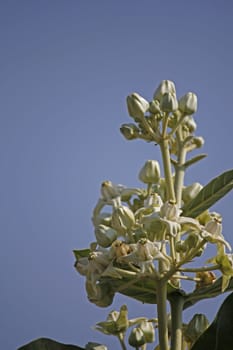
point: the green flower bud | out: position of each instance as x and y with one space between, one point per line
105 235
198 141
154 107
180 247
129 131
122 219
150 172
190 124
137 106
198 324
190 192
169 102
148 331
188 103
166 86
136 338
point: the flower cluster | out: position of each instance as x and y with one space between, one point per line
155 230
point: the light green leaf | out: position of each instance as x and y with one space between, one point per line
195 160
209 195
82 253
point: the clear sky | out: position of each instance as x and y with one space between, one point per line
66 69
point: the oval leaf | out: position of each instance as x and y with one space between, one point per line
209 195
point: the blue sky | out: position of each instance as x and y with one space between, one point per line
66 69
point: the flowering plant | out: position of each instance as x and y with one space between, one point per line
155 238
151 240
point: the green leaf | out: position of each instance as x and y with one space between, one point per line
219 336
194 160
82 253
48 344
209 195
211 291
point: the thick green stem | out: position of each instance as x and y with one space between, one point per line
180 169
162 314
164 146
121 340
177 303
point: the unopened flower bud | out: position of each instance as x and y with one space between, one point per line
148 331
190 192
188 103
136 338
166 86
169 102
190 123
137 106
154 107
198 324
105 235
198 141
150 172
129 131
122 219
180 247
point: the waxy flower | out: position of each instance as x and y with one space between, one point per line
150 172
213 232
137 106
122 219
166 86
188 103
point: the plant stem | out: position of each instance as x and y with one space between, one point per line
121 340
164 146
180 169
176 302
162 314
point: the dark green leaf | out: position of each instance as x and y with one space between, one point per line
82 253
210 194
211 291
219 336
48 344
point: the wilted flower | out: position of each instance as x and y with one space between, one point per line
206 278
119 249
150 172
188 103
137 106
